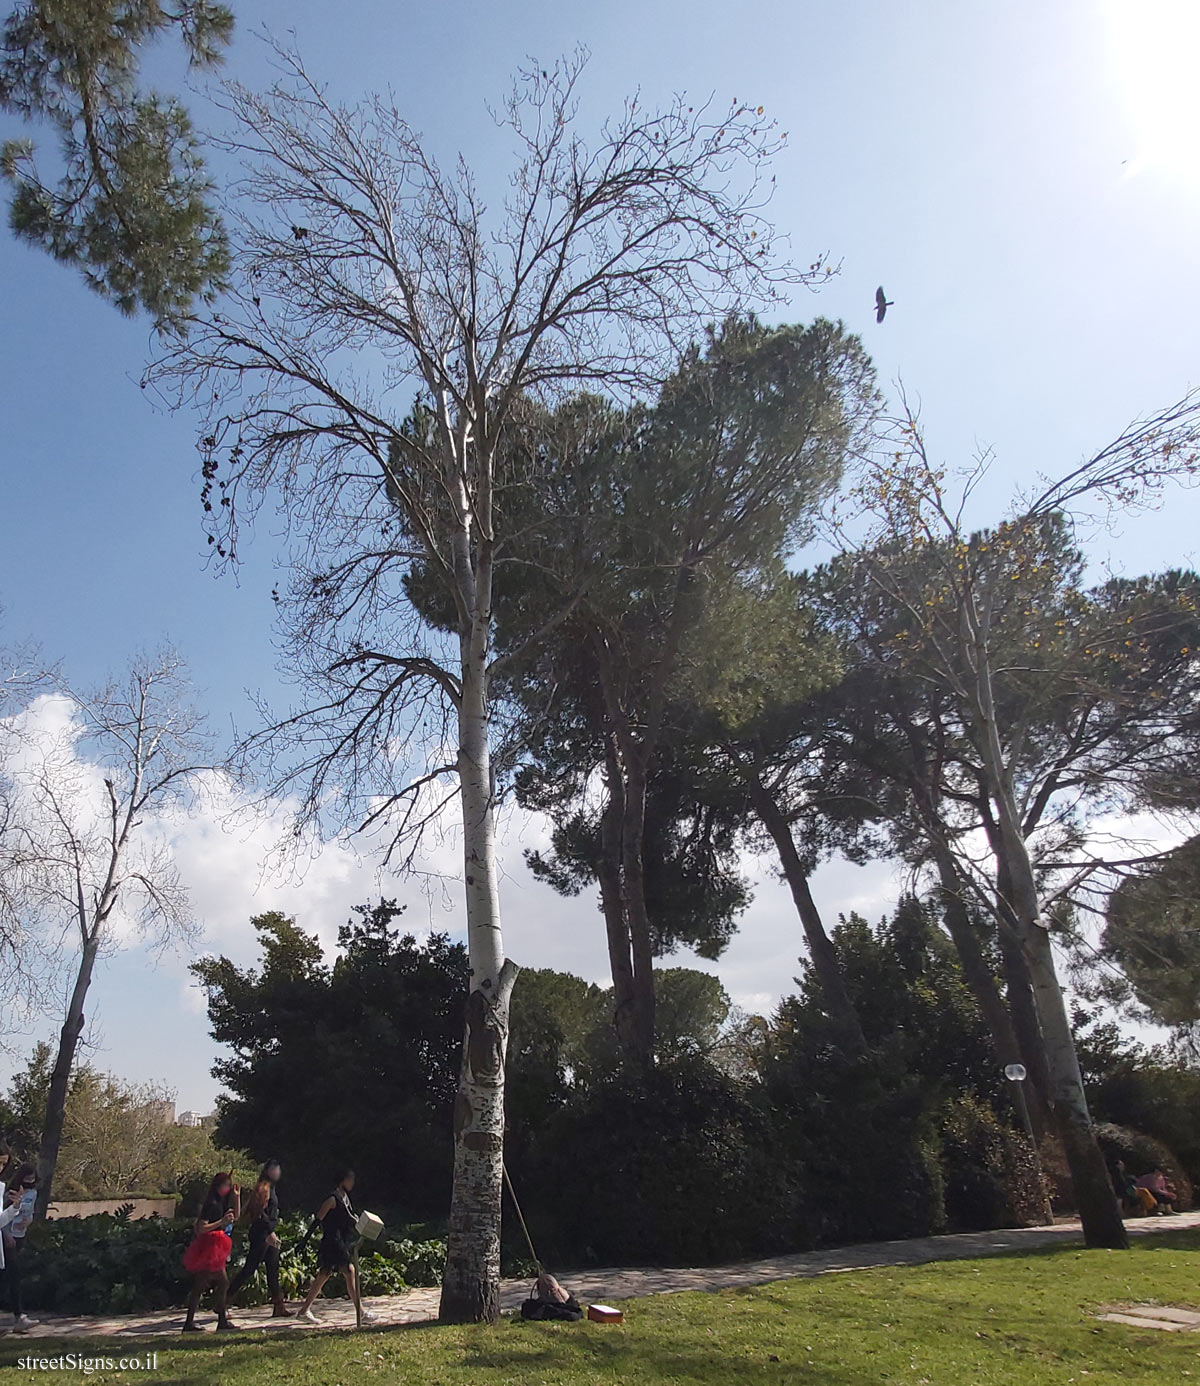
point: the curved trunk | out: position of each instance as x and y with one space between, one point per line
820 948
471 1282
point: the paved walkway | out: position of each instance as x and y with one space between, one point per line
604 1286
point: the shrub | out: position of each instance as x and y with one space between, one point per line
108 1264
675 1166
990 1171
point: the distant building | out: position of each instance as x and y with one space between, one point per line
197 1119
163 1109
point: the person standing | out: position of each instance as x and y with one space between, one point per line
335 1256
208 1254
24 1196
10 1211
263 1216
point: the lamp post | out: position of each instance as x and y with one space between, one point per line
1016 1075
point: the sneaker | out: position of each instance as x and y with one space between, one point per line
369 1316
190 1327
24 1321
225 1326
21 1325
307 1315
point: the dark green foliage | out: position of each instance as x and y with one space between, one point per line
109 1265
990 1171
1145 1090
675 1167
132 208
1153 934
354 1062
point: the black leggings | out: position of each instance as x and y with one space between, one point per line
12 1275
258 1254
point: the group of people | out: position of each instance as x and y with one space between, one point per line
207 1256
18 1199
1152 1192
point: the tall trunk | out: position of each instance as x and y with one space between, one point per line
820 948
60 1077
633 876
979 977
612 902
1094 1194
1022 1007
471 1283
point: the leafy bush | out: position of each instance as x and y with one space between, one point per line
109 1264
674 1166
990 1171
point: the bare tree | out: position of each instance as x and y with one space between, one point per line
981 622
93 777
23 674
365 274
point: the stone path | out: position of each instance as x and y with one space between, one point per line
604 1286
1167 1317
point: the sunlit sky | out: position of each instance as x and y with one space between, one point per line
1023 178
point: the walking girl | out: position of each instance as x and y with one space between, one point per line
207 1256
263 1216
335 1256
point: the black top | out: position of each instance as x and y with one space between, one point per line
214 1207
338 1230
264 1224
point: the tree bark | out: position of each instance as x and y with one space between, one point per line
471 1282
612 902
820 947
633 876
60 1077
982 982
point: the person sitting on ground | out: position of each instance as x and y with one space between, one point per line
1163 1191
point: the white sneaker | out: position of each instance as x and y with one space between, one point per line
21 1324
307 1315
369 1316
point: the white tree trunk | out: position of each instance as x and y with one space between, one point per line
471 1283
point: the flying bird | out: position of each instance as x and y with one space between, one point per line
882 304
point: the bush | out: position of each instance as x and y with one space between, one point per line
990 1171
109 1265
678 1166
1141 1154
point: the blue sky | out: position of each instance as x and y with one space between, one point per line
1021 177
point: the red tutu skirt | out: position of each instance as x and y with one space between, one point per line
207 1253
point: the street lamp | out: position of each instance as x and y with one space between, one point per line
1016 1075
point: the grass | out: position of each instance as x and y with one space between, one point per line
1007 1319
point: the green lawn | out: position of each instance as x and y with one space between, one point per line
1026 1319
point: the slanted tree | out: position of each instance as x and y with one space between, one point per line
132 207
976 603
364 273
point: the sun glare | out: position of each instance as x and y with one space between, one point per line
1156 46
